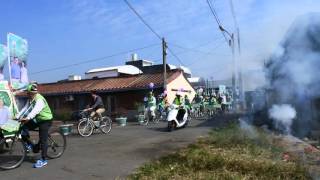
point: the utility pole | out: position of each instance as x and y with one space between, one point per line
164 62
234 68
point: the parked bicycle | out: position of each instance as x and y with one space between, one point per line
87 125
13 150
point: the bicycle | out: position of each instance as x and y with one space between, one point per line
13 150
87 125
155 119
161 115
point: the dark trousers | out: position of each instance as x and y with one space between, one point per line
43 134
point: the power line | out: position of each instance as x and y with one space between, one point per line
215 15
185 50
96 59
144 22
174 55
193 49
151 29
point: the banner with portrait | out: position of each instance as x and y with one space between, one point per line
18 51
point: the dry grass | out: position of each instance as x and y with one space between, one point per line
228 153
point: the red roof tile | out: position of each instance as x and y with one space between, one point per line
107 84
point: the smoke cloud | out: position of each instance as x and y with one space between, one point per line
283 116
294 76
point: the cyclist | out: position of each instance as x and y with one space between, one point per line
161 104
188 104
36 113
96 106
151 105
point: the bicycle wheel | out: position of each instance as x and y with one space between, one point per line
85 128
157 118
145 122
105 125
57 144
12 153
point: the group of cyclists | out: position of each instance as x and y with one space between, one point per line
159 105
201 104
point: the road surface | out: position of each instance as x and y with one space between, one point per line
112 156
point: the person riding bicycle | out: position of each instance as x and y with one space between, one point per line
96 106
151 105
161 104
187 104
36 114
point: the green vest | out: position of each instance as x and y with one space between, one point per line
178 102
45 114
151 101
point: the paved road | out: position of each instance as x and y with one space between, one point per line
111 156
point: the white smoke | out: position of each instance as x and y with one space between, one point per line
247 128
283 115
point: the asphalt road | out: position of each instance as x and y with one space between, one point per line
114 155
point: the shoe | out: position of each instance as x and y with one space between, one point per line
40 163
28 147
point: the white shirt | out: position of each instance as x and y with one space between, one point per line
24 75
39 105
224 99
4 115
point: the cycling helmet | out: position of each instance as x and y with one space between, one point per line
32 87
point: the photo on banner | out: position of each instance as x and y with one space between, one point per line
3 59
18 50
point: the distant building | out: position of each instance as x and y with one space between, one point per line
148 67
112 71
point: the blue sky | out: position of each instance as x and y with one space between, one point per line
65 32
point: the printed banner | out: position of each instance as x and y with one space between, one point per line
18 49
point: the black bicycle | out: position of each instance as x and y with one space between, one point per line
13 150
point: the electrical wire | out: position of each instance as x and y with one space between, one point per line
215 15
193 49
151 29
95 59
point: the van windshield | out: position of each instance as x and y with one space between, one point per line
5 97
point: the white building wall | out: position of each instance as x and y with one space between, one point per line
178 83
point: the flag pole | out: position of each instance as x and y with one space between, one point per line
9 60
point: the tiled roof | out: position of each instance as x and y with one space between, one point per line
107 84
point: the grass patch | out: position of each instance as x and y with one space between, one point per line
227 153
